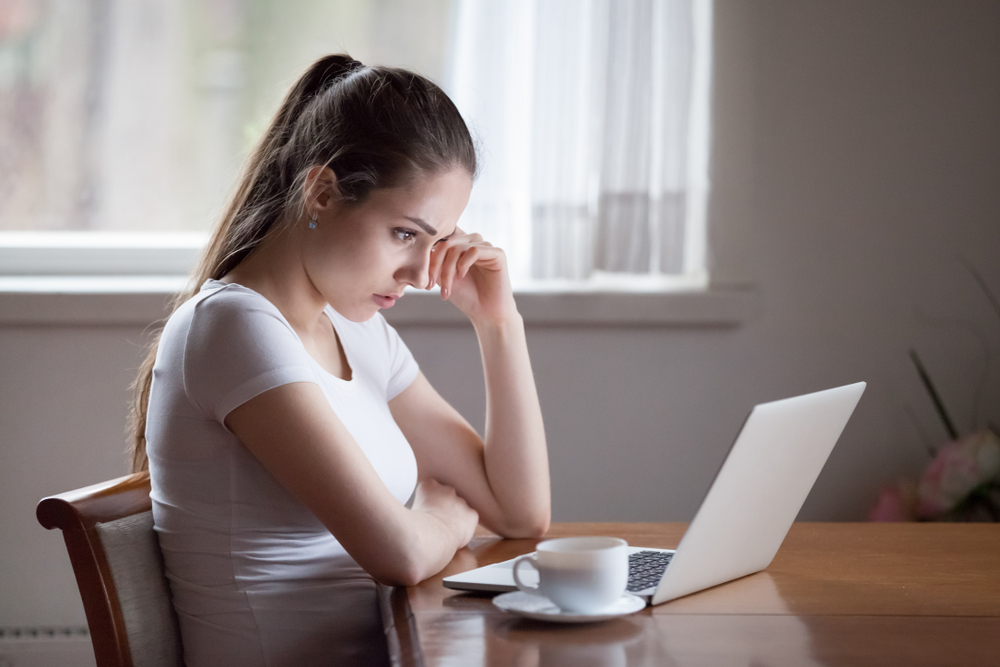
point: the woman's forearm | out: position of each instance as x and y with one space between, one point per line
402 547
516 458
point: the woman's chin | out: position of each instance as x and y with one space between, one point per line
359 313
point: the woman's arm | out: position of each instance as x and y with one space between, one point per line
506 478
296 435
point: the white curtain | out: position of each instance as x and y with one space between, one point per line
593 121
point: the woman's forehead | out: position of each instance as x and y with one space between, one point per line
436 200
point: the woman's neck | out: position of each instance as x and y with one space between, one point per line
275 271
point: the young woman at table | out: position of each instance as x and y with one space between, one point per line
285 422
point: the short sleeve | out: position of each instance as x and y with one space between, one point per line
403 367
239 346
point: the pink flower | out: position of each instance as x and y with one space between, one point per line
896 502
959 467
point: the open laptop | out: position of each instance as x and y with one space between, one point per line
747 511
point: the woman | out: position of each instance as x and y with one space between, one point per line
286 424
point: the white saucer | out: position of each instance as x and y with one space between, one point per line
542 609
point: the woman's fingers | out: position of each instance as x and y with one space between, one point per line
434 266
465 262
451 260
441 249
447 271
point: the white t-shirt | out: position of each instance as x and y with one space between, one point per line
256 578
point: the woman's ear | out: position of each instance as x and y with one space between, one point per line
321 191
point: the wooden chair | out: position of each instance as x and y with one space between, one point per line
115 554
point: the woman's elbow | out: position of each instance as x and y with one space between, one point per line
539 526
399 572
532 532
408 562
400 578
531 526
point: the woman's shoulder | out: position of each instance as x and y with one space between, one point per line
230 297
226 314
218 303
227 344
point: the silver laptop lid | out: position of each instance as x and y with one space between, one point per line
759 490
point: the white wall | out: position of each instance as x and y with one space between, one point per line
857 159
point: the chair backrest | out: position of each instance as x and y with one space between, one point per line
115 554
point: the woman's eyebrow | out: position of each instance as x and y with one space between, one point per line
423 225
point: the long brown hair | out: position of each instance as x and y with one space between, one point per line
373 126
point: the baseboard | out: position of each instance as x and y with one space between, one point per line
46 647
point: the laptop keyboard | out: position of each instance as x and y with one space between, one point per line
646 568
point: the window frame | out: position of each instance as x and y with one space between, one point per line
108 278
140 301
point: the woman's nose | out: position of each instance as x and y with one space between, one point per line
416 272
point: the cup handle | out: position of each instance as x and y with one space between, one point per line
530 559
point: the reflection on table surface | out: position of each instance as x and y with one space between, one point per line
836 594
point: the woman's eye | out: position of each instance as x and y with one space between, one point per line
404 234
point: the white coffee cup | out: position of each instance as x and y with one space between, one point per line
583 575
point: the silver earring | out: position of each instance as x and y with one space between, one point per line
312 220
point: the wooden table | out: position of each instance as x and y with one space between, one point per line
836 594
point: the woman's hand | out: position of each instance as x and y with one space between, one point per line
441 502
473 275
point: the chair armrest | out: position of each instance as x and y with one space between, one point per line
83 508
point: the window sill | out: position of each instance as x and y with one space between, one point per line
141 300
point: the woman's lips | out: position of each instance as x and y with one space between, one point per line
384 301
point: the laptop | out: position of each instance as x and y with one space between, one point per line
751 504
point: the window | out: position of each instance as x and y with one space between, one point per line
140 120
592 115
